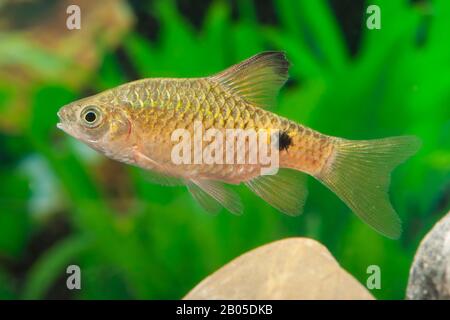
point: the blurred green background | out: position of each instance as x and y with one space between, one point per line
61 203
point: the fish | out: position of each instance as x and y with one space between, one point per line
135 123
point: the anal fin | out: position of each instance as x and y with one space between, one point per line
284 191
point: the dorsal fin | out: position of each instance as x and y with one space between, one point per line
257 79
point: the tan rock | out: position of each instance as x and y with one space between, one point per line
294 268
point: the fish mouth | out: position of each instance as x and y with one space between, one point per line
59 125
64 125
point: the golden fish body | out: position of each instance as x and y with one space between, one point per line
135 123
157 107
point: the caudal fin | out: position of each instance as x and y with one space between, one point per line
359 173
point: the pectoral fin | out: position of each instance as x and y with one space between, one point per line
160 174
163 179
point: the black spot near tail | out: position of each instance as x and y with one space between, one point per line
285 141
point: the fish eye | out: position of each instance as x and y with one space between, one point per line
91 116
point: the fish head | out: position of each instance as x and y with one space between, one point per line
101 125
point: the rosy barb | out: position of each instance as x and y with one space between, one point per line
134 123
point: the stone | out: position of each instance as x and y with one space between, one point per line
293 268
429 277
